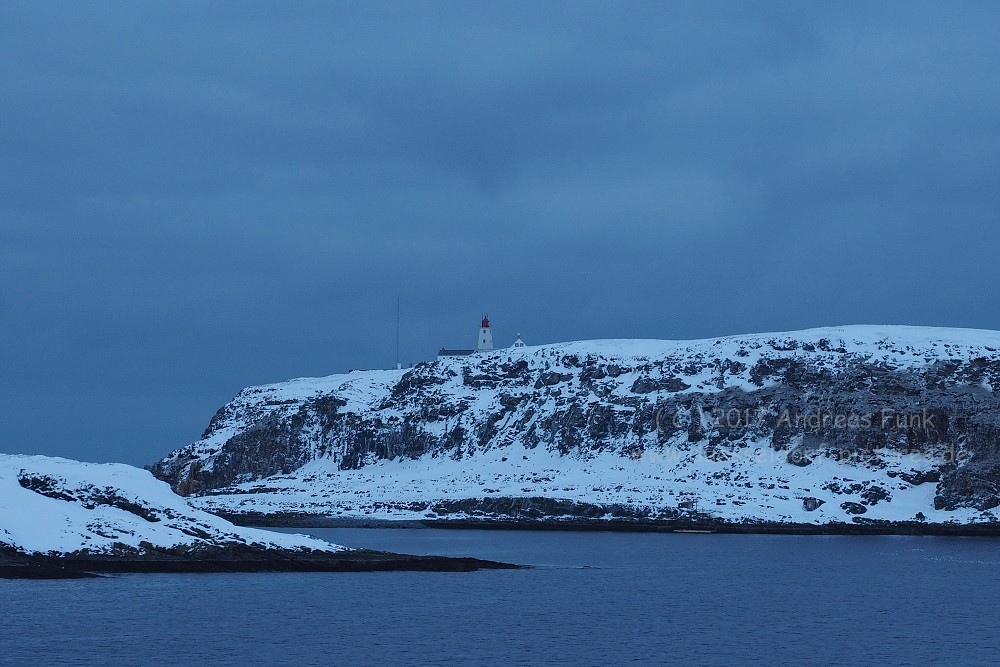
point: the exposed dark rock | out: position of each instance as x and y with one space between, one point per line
88 495
537 508
551 379
798 457
917 477
17 565
645 385
873 494
812 504
853 508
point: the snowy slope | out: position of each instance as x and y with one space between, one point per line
56 506
892 423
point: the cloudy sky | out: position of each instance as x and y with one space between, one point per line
196 197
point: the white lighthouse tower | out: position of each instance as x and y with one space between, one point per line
485 336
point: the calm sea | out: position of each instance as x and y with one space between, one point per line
592 599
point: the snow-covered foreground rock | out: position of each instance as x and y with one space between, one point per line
58 506
848 425
64 518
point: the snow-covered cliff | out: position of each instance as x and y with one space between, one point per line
841 424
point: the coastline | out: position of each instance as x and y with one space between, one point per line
859 526
16 565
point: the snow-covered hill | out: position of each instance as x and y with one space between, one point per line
61 518
57 507
826 425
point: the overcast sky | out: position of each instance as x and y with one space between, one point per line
196 197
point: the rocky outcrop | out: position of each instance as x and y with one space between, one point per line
17 565
904 406
61 519
68 509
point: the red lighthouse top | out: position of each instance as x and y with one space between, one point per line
486 322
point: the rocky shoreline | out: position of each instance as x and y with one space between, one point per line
66 519
859 526
15 565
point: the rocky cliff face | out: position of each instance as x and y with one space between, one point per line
896 423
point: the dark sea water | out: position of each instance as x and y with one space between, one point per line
592 599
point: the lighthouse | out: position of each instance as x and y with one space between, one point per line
485 336
484 344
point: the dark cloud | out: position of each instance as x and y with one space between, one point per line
199 196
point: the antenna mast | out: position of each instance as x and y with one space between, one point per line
397 333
